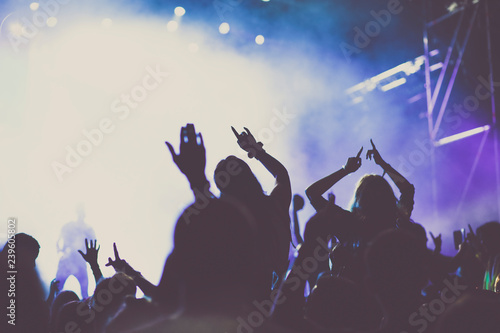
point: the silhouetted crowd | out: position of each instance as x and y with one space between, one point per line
241 264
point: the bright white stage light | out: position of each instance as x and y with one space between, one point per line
172 26
224 28
34 6
51 22
179 11
259 40
463 135
393 84
452 7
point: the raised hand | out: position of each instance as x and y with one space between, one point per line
331 198
91 252
191 159
375 154
121 265
248 143
475 242
438 242
118 264
298 203
353 163
54 287
53 291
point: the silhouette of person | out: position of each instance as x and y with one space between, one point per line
71 240
270 211
24 301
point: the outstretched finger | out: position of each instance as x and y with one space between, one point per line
235 133
110 262
172 151
373 145
86 243
98 247
430 232
83 255
359 152
117 255
248 131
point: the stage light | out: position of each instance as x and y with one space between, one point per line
259 40
107 22
393 84
172 26
463 135
393 76
357 100
436 66
224 28
266 0
34 6
452 7
179 11
193 47
16 29
51 22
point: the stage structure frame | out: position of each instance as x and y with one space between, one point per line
434 91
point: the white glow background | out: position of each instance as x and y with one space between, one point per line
64 81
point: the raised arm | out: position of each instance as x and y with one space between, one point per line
400 181
315 192
53 291
90 256
406 189
191 161
121 265
298 204
282 191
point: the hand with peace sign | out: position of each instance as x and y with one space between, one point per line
248 143
353 163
